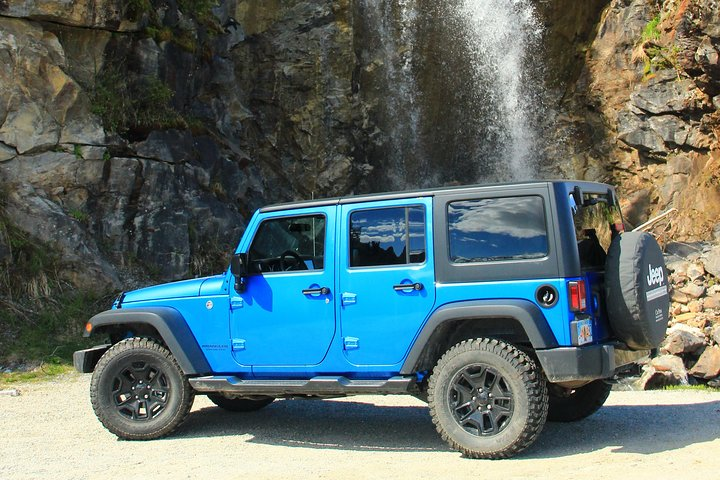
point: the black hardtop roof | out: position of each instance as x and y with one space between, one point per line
566 186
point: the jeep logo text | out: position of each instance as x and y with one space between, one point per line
655 276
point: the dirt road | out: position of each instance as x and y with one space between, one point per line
50 432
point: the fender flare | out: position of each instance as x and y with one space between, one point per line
526 313
171 326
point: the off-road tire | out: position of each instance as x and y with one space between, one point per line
239 404
144 369
480 372
579 403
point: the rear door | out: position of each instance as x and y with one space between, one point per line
386 278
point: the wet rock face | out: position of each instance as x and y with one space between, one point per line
156 132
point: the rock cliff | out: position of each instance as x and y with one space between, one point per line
137 137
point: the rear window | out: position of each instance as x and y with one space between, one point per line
596 224
496 229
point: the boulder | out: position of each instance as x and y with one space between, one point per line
695 271
679 297
683 339
663 371
696 306
716 335
693 290
712 302
711 261
708 365
652 379
670 363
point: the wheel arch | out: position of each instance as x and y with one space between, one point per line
165 324
516 321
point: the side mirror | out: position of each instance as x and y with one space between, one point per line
238 267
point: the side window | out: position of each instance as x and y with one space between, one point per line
492 229
387 236
289 244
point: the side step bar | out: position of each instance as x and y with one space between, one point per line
325 385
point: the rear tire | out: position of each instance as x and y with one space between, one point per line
487 399
138 390
239 404
576 404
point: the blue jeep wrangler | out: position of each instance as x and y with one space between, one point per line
500 305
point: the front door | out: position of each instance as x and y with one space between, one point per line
387 284
286 315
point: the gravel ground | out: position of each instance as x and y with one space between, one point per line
50 431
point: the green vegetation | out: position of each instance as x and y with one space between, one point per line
651 52
77 151
651 32
45 371
200 9
137 8
41 316
133 104
699 388
79 215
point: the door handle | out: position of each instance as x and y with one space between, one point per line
316 291
408 286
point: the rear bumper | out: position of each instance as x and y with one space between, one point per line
84 361
592 362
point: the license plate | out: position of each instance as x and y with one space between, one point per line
584 331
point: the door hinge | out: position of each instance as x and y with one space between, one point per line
351 343
348 298
236 303
238 344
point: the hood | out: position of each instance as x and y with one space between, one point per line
181 289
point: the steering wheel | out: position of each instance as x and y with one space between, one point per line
297 263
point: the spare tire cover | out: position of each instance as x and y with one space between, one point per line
636 285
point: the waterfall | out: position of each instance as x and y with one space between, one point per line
501 37
455 88
395 23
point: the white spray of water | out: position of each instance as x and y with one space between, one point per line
502 36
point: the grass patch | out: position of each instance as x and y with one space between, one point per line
128 103
49 332
698 388
46 371
651 32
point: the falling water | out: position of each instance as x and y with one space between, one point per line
395 22
456 87
501 37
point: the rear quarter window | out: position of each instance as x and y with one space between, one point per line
496 229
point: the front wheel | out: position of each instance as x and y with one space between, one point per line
570 405
487 399
138 390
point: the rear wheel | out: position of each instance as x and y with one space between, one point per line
138 390
570 405
487 399
239 404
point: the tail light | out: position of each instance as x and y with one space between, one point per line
578 296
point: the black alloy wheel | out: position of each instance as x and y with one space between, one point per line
481 400
487 398
138 391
